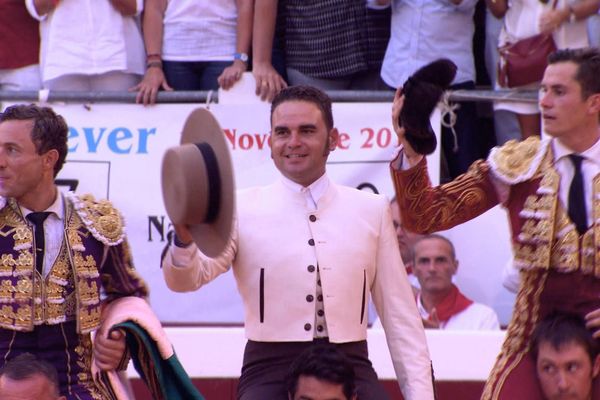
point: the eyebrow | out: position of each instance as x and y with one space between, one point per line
303 126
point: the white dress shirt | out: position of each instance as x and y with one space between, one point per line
54 227
88 37
425 30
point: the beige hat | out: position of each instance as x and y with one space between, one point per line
197 183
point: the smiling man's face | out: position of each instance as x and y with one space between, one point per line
300 141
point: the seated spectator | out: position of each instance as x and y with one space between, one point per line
26 377
566 357
321 373
440 302
194 45
89 45
19 47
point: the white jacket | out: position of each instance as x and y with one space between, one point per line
356 249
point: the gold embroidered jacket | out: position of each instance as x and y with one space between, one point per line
543 235
94 254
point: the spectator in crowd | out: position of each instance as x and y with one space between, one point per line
441 304
89 45
506 126
194 45
548 189
326 45
565 356
26 377
19 48
423 31
64 257
525 18
306 270
321 373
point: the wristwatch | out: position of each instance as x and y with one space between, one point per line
241 56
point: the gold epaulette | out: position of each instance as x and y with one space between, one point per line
101 218
518 161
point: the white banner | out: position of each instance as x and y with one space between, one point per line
115 152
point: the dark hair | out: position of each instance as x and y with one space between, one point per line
50 131
27 365
588 67
560 328
309 94
325 363
439 237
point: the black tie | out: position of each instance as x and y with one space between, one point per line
37 219
577 211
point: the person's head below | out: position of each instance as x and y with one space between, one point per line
406 239
26 377
570 97
435 264
565 356
33 149
302 133
321 373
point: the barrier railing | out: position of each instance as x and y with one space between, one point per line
342 96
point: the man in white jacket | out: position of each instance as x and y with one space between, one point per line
306 254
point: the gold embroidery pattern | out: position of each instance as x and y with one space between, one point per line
89 318
596 227
461 200
85 269
516 344
7 263
517 161
101 218
84 361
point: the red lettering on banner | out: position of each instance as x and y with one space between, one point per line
343 141
368 143
380 139
247 141
230 135
262 139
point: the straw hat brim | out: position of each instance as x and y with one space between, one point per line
198 184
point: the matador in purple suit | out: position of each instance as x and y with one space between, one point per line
62 258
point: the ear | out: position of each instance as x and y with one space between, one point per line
594 103
596 366
455 267
334 136
50 159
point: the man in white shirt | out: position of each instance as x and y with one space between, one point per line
307 254
440 302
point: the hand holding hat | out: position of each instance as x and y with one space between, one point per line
197 183
422 91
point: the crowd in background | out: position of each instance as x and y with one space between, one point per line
152 45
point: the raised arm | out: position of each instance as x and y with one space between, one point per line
427 209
